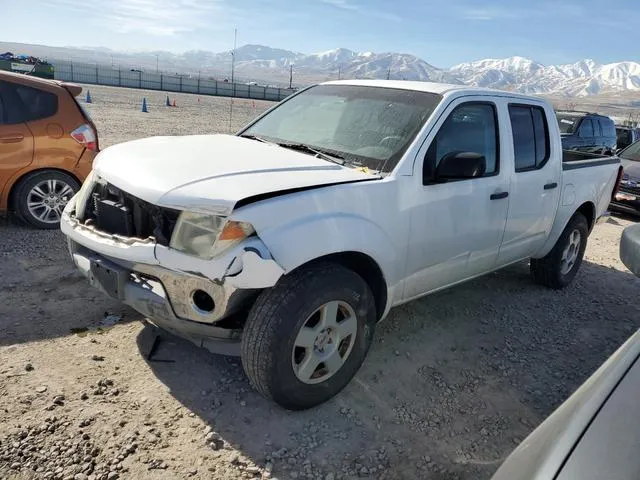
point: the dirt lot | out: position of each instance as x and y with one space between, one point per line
453 382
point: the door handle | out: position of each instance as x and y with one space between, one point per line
550 186
498 196
11 138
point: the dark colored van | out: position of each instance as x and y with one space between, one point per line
587 132
626 136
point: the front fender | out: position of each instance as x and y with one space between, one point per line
311 237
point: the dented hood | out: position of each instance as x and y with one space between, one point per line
213 172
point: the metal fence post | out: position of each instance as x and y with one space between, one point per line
198 84
139 78
264 92
279 94
181 83
161 82
119 77
97 83
216 89
72 71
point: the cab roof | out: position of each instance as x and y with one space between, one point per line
432 87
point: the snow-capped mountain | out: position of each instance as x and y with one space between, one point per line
520 74
583 78
338 62
270 65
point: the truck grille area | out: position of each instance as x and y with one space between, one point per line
114 211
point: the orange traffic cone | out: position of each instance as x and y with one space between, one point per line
174 102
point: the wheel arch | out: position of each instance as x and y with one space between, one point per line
367 268
13 188
588 209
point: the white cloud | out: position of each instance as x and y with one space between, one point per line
343 4
151 17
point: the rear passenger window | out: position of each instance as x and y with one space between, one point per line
37 103
586 128
598 128
530 137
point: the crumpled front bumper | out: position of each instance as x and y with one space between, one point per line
160 282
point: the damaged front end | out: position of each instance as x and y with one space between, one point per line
123 245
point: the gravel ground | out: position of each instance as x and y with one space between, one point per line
452 383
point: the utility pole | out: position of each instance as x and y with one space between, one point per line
340 71
290 76
389 73
233 54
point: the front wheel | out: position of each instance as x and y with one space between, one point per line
306 337
557 269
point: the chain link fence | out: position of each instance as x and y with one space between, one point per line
134 78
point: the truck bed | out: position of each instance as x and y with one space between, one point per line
572 159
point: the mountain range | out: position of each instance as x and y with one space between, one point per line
270 65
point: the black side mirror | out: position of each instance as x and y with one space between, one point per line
461 165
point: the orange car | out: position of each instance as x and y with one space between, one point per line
47 146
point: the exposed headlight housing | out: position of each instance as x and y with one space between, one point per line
207 236
82 197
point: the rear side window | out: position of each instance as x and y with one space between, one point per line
598 131
586 128
608 127
37 103
530 137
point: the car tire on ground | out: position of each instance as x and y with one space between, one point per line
306 337
41 196
557 269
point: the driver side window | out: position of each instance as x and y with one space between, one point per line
471 127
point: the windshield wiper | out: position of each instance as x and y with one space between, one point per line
301 147
255 137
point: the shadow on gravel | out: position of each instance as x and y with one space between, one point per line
453 381
41 293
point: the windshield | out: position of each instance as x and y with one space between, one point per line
567 122
365 126
632 152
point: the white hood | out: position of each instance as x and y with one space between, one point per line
212 172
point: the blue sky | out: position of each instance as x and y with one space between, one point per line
442 32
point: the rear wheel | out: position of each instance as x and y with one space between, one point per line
557 269
306 337
41 197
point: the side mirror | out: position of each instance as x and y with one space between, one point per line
461 165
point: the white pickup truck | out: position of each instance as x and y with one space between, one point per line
289 241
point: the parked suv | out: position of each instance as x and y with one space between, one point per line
626 136
47 146
587 132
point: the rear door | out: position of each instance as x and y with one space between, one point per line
586 134
535 183
16 140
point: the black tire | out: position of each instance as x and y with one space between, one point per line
279 313
548 270
24 189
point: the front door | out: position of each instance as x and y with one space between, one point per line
16 140
457 226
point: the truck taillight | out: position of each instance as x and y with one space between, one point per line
86 135
616 187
